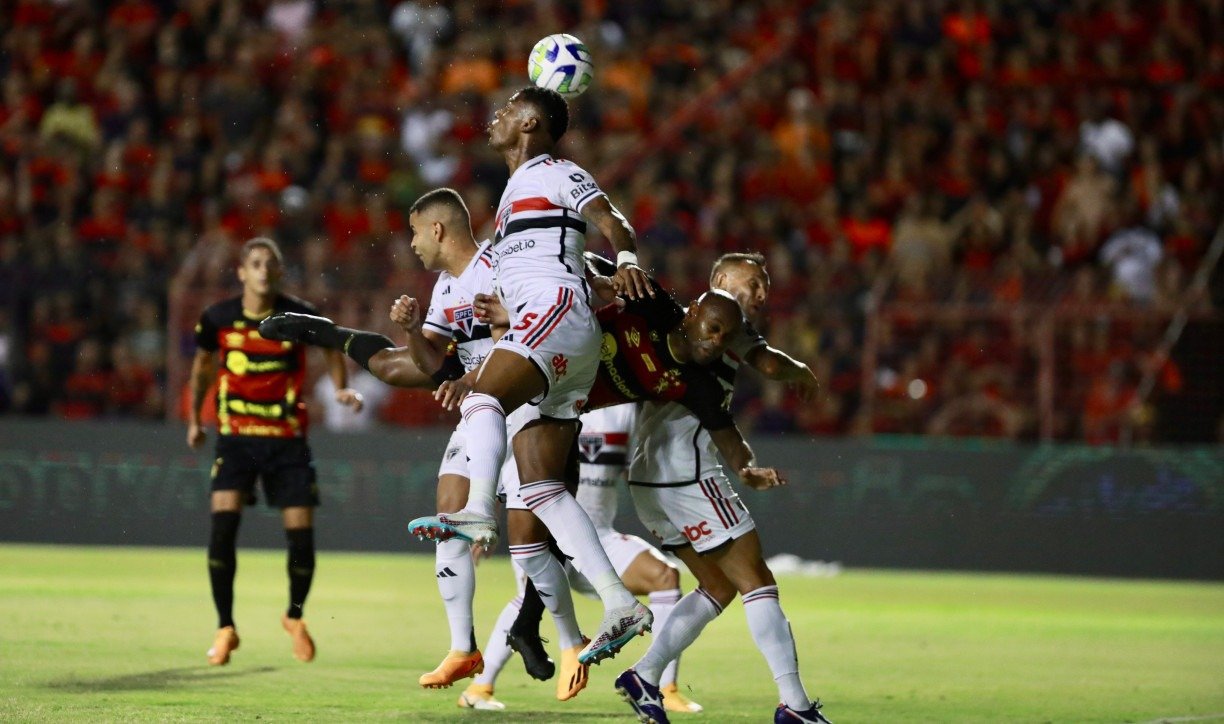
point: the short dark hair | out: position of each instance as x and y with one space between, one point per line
264 243
737 257
447 197
552 105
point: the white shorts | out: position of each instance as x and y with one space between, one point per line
705 514
622 549
557 331
455 459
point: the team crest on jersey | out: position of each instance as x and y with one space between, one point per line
590 445
462 317
503 217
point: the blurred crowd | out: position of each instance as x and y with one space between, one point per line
955 197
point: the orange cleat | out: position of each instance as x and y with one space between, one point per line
673 700
303 645
457 665
573 678
224 644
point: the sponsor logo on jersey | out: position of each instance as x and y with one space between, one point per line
607 348
696 532
462 317
516 247
560 365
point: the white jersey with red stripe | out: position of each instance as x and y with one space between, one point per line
670 444
603 445
451 313
541 234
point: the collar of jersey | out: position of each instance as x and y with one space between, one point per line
531 162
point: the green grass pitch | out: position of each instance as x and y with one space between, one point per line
119 634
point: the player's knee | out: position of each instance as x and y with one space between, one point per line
479 401
666 577
722 592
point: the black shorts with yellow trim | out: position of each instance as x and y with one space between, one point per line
283 465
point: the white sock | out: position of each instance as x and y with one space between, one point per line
576 535
457 583
661 605
485 421
772 634
545 571
684 625
496 652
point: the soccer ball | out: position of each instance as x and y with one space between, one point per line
563 63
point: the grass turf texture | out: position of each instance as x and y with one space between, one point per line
107 634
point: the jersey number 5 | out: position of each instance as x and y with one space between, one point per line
528 318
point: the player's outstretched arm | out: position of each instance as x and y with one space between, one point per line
778 365
630 279
736 452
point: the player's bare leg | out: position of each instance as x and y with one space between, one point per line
542 450
226 506
299 529
456 577
506 382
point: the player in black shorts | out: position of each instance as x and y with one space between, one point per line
261 419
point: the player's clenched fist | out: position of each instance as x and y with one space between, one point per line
761 478
406 314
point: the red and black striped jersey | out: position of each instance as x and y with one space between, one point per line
636 363
259 390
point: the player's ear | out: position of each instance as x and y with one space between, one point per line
529 124
437 230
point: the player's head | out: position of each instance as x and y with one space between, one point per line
744 276
435 217
259 266
532 111
710 324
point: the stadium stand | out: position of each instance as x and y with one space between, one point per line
981 216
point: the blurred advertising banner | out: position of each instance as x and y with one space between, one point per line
907 502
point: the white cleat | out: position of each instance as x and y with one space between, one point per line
618 627
480 696
477 529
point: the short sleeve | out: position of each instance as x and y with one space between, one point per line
206 333
435 317
748 340
574 188
706 398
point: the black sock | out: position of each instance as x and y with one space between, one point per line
223 564
301 567
530 613
361 346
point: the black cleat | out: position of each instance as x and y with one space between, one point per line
531 647
294 327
